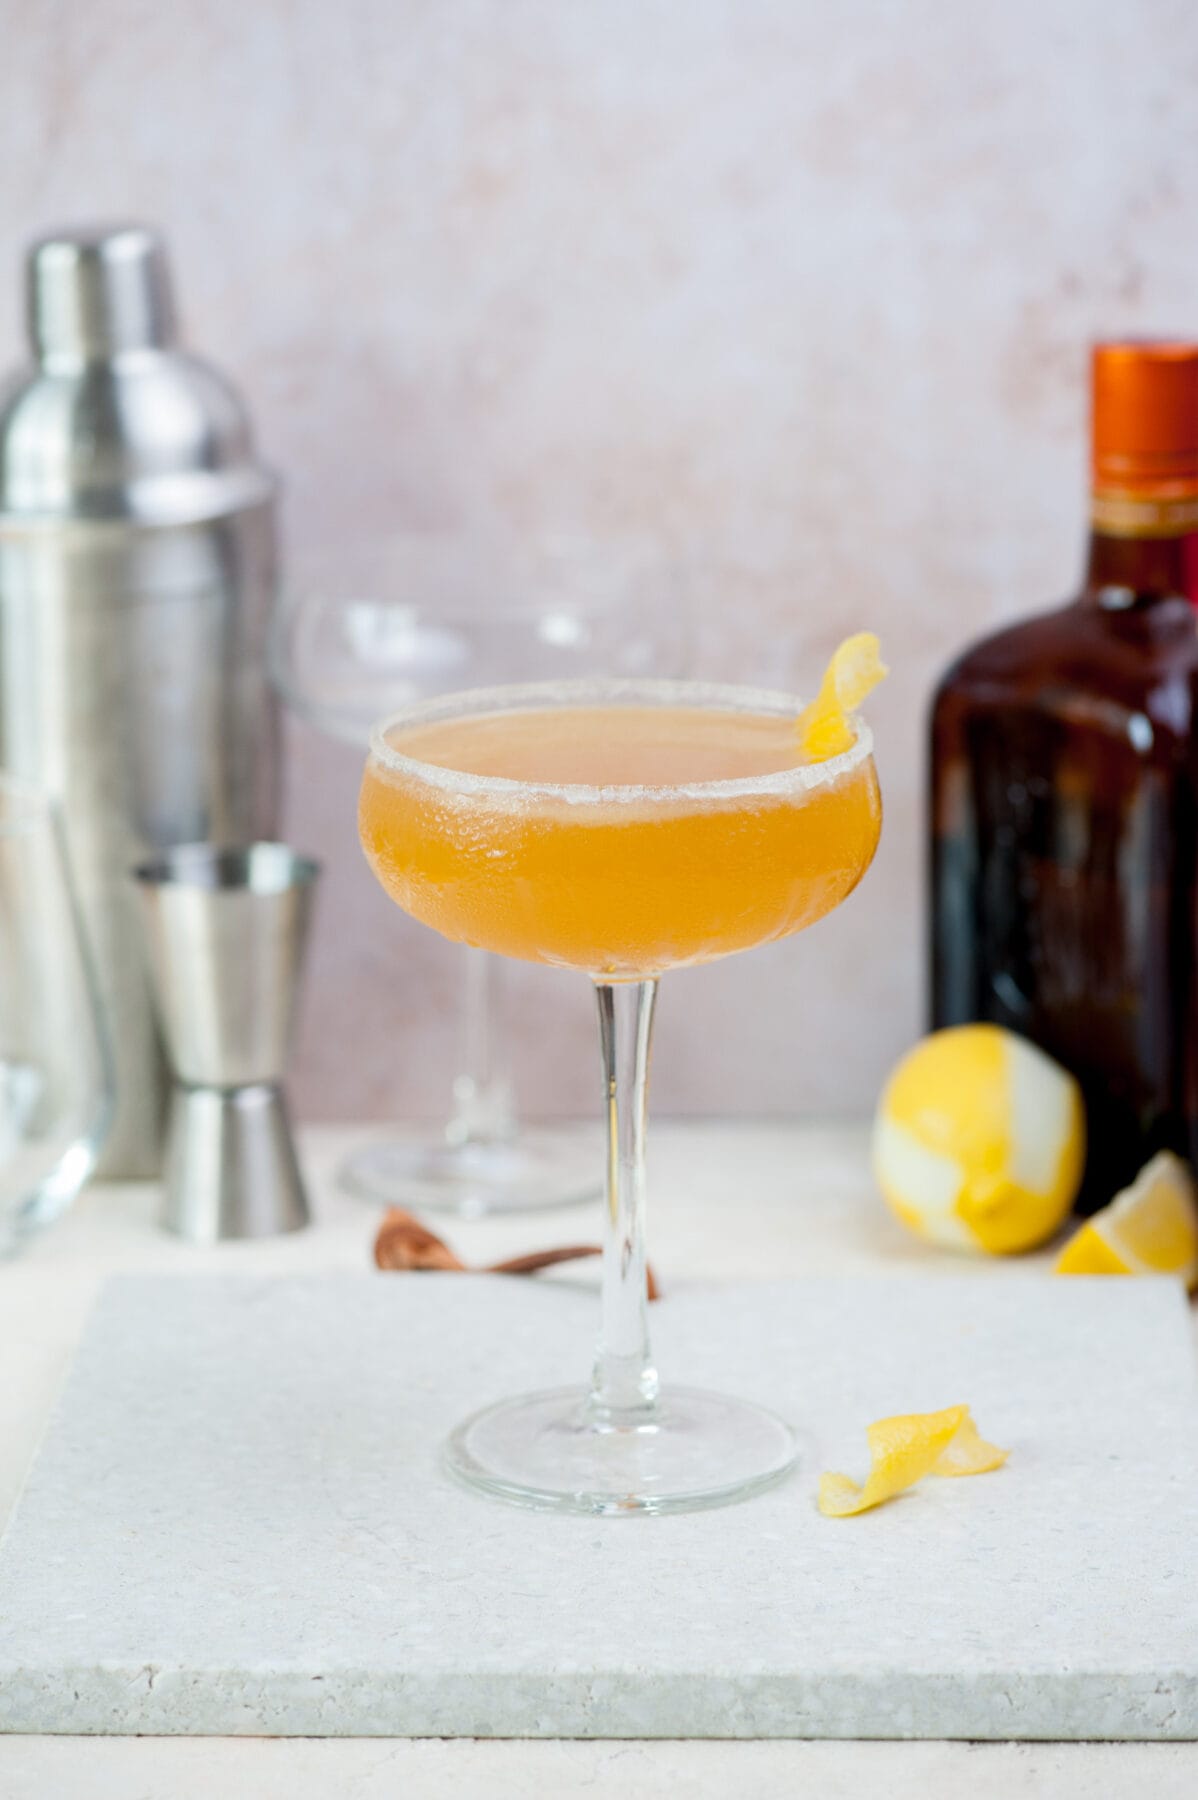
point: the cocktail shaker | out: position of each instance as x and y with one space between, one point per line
136 577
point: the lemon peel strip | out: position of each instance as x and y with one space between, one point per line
854 672
968 1453
904 1449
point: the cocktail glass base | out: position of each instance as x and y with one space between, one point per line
536 1169
695 1449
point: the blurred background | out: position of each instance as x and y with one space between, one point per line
803 290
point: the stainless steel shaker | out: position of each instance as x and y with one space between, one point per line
136 577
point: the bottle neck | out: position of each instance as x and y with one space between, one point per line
1141 551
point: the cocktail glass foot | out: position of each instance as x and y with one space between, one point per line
554 1453
541 1167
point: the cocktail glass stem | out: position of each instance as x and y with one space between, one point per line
483 1108
624 1383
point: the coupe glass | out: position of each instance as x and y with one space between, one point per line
55 1067
381 624
475 819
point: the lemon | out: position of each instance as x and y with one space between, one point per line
904 1449
979 1140
1151 1228
854 671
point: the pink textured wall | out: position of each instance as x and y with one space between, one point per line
806 286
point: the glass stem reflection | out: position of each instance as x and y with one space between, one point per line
483 1108
624 1383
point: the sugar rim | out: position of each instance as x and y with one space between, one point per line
534 695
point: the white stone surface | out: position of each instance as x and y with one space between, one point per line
728 1201
238 1525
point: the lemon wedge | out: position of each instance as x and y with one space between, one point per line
1151 1228
854 671
979 1140
904 1449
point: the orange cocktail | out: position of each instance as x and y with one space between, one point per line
623 829
619 839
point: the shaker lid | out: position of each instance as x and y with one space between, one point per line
115 422
96 293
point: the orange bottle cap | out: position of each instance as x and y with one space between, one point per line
1145 417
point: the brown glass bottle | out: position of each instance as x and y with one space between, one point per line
1063 816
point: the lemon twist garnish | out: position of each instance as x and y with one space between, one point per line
855 670
1151 1228
904 1449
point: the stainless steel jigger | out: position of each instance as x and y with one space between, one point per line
225 930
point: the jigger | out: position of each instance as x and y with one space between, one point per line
225 931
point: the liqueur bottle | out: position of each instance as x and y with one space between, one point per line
1063 792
